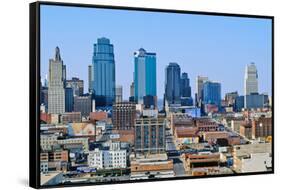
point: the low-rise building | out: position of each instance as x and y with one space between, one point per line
261 127
201 161
70 117
206 124
246 130
151 166
113 158
150 135
252 157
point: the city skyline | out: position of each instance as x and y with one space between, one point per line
215 118
248 40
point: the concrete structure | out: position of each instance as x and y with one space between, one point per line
202 160
56 92
199 87
252 157
97 116
103 72
261 127
48 141
83 104
118 93
236 123
151 166
123 115
150 135
70 117
77 86
113 158
90 78
206 124
144 75
246 130
251 79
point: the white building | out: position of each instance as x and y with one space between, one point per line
252 157
251 79
115 157
259 162
56 92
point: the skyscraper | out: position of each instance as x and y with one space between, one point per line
119 93
132 89
144 74
172 83
199 87
103 72
56 92
251 79
68 99
212 93
90 78
83 104
77 86
185 85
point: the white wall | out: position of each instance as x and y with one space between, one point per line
14 96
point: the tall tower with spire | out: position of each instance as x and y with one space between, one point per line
56 91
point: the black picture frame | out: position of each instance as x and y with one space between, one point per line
34 89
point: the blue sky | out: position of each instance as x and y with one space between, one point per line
214 46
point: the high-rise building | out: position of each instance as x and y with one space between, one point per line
239 103
132 91
230 98
251 79
172 83
83 104
212 93
123 115
56 92
44 96
103 72
77 85
255 100
150 135
119 93
185 85
144 75
68 99
199 87
90 78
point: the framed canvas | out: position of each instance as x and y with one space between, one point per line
127 94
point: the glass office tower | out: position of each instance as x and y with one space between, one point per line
145 75
172 83
103 72
212 93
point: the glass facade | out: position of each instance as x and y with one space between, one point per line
172 83
145 74
104 72
212 93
